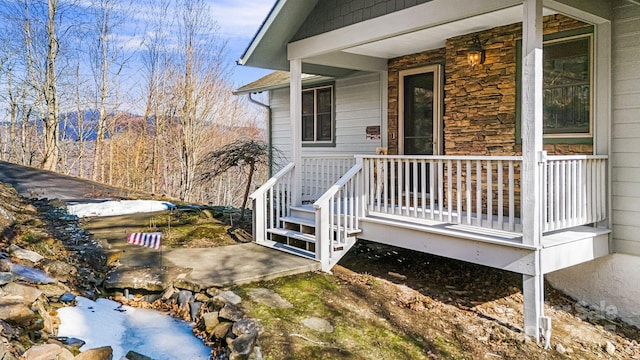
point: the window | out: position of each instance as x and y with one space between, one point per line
567 86
317 115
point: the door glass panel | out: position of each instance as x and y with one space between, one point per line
418 122
418 114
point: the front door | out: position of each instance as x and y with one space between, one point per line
420 100
420 111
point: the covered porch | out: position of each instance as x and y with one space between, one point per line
522 209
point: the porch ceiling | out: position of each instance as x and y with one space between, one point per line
434 37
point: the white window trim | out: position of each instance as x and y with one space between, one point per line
315 117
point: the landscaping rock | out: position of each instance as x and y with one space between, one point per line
245 327
228 297
17 292
54 291
194 308
210 321
243 345
269 298
6 277
132 355
24 254
48 352
184 298
59 270
231 313
5 353
187 284
318 324
67 297
221 330
146 278
609 348
101 353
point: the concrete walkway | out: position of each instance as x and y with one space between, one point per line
237 264
212 267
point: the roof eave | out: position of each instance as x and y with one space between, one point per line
273 13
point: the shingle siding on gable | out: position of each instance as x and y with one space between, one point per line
333 14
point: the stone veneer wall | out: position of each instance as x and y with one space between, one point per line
480 102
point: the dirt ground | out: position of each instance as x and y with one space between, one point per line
390 303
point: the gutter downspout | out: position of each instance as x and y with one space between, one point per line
269 135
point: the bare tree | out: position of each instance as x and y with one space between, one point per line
105 56
51 120
241 153
198 84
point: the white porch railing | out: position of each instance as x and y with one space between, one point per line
575 191
271 201
338 212
471 190
320 172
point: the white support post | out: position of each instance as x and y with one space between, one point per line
295 89
323 237
532 156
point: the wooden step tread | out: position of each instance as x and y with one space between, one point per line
299 221
293 234
303 208
289 249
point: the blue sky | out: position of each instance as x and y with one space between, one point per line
239 20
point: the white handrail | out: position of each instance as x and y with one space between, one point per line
318 173
271 201
445 157
336 187
271 182
338 213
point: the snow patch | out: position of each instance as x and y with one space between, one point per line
118 207
148 332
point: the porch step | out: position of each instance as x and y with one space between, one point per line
304 212
293 234
289 249
304 208
298 221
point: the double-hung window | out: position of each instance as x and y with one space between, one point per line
567 86
317 115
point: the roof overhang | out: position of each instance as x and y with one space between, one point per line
278 80
367 45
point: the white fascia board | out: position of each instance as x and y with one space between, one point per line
591 11
415 18
263 30
349 61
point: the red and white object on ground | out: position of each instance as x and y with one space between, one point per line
152 240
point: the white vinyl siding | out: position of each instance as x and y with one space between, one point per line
625 147
358 104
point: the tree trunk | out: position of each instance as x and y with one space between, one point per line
51 119
252 167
